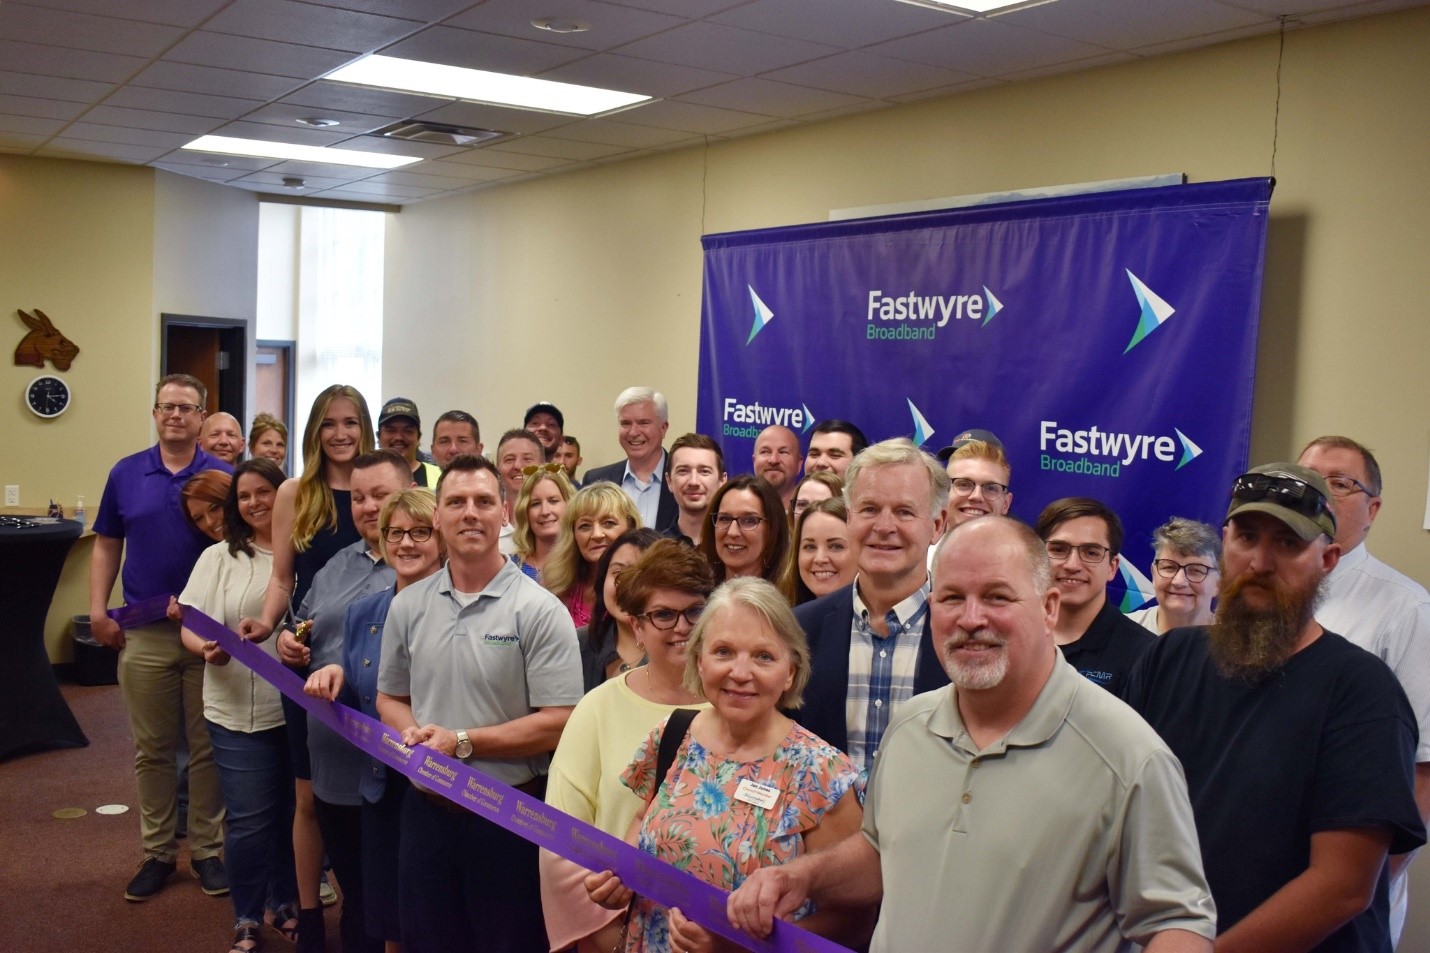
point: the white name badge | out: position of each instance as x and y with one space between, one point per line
760 795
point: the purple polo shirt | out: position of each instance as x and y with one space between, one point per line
142 505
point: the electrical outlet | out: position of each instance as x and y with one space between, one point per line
12 495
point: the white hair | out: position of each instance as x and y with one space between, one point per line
640 395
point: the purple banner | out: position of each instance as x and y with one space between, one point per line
528 817
1109 340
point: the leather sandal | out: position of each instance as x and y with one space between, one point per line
248 933
285 921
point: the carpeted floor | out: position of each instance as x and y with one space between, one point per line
62 881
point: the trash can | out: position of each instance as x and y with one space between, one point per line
93 663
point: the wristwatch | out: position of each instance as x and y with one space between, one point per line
464 744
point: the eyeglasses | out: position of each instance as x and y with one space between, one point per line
1295 495
723 521
1168 569
991 491
532 468
667 618
1343 486
185 409
1089 553
419 534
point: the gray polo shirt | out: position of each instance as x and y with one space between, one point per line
1072 833
351 574
508 652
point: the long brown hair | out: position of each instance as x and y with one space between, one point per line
315 509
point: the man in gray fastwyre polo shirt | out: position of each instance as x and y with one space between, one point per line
1021 807
481 663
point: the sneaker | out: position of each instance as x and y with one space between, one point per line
213 879
326 894
150 879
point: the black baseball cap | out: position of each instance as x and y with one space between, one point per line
968 436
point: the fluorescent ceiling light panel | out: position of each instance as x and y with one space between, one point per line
482 86
975 6
228 145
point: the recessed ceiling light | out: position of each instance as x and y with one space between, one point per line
974 7
482 86
294 182
227 145
318 121
560 25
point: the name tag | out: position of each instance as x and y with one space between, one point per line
753 792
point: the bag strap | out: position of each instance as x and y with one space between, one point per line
676 728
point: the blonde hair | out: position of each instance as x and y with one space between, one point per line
262 423
315 509
418 502
761 596
522 536
565 569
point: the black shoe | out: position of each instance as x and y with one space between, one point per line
213 879
150 879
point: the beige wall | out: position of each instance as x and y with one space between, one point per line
572 287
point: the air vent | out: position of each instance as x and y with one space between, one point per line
440 134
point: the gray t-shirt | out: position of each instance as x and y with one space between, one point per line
509 652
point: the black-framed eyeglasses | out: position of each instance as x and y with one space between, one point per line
1168 569
185 409
418 534
747 522
1343 486
663 618
1298 496
531 468
1090 553
991 490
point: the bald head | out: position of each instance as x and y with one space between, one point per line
222 437
778 459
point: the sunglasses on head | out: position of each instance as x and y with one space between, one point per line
1298 496
541 468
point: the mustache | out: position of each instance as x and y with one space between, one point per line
1252 643
981 637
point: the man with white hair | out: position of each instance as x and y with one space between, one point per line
644 418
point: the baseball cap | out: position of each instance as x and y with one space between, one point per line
1295 495
545 407
399 407
968 436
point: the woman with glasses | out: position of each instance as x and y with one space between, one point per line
245 719
1184 576
813 487
536 516
609 645
594 517
749 532
824 557
748 787
662 594
411 546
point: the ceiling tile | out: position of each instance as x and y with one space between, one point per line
288 114
418 179
1106 59
511 161
96 132
1354 10
771 98
868 75
45 60
501 118
363 99
40 108
175 101
939 91
149 119
205 48
612 132
683 8
488 51
82 31
842 24
53 87
296 134
398 147
313 182
424 11
104 150
558 148
715 47
174 12
631 75
1196 42
321 170
690 117
987 48
239 165
464 170
199 172
188 78
369 190
1128 24
611 25
309 24
30 125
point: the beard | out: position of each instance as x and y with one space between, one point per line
979 674
1251 643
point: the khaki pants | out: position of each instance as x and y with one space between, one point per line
159 677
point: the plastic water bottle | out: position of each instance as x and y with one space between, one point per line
79 510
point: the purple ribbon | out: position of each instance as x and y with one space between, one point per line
525 816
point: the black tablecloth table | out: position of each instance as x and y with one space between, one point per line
33 713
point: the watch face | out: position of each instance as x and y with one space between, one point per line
48 396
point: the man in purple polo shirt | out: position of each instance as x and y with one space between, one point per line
161 682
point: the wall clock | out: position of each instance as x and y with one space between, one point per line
47 396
